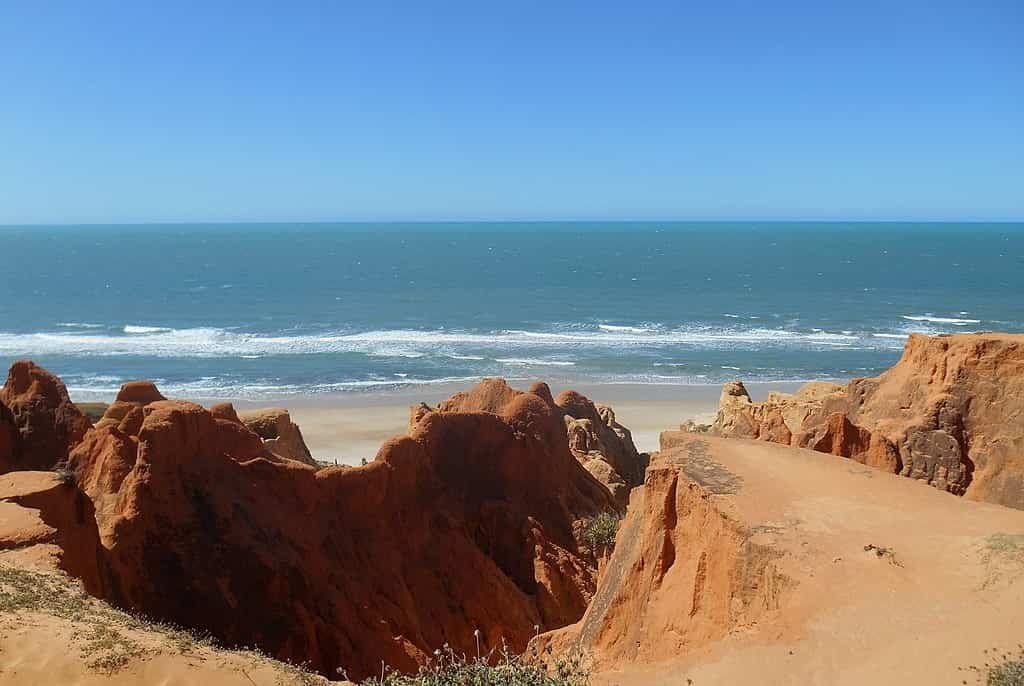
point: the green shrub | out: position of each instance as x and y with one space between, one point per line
66 477
601 530
450 669
1002 669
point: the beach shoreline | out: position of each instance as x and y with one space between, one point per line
351 427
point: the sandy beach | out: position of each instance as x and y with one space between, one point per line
351 427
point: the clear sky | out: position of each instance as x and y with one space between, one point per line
223 111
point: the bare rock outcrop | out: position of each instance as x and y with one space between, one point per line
467 523
46 522
280 434
684 572
775 419
47 423
604 446
950 413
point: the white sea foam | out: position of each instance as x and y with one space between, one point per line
955 321
625 329
132 328
207 342
79 325
528 361
214 388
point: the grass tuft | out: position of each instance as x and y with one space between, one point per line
600 530
1004 668
502 669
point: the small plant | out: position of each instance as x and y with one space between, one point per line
448 668
601 530
1002 669
66 476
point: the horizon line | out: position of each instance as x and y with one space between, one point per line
272 222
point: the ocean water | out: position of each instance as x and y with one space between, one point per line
259 311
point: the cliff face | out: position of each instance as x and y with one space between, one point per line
602 445
280 434
38 422
685 570
466 523
48 523
949 413
748 562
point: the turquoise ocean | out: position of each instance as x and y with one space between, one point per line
269 310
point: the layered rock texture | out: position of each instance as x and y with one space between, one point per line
468 522
776 419
685 571
602 445
38 422
950 413
750 562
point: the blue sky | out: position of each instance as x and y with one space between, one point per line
159 111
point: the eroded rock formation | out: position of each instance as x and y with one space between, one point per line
280 434
684 572
46 423
126 410
604 446
47 522
775 419
468 522
950 413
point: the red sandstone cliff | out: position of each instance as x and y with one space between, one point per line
685 570
602 445
38 422
466 523
949 413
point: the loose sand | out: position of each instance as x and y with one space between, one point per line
952 588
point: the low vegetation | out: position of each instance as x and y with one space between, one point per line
1004 668
107 639
504 669
601 530
1003 557
65 476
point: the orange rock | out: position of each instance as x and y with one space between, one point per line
684 573
949 413
47 422
280 434
10 448
594 433
467 523
140 392
46 521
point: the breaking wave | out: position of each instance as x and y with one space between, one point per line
210 342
